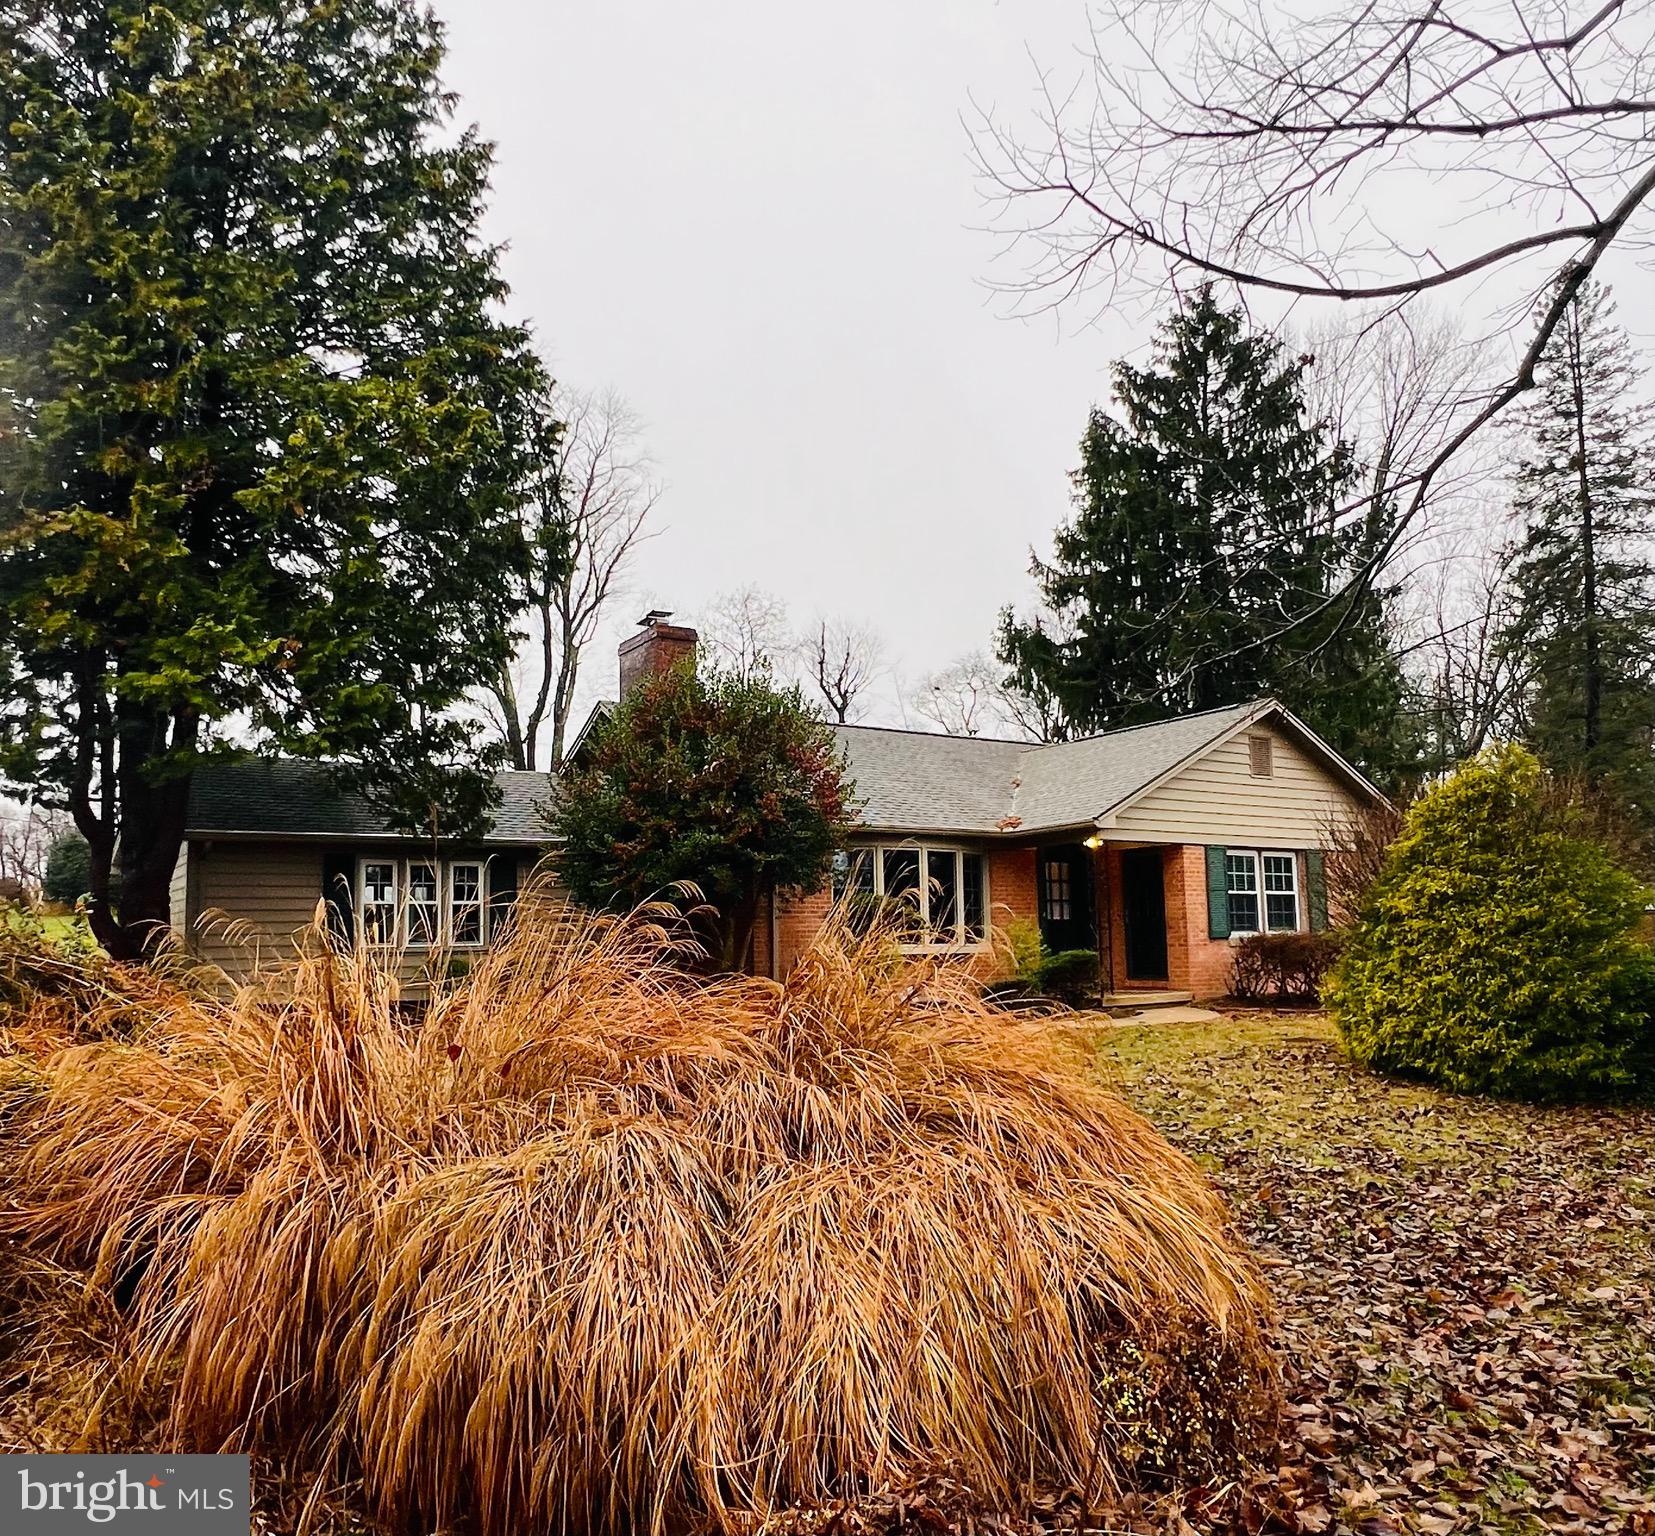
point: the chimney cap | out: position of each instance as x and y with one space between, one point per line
655 616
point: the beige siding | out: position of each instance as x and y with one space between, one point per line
250 899
247 900
178 892
1218 800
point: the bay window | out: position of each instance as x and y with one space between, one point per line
940 893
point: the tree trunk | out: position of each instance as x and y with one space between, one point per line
1592 661
736 925
151 822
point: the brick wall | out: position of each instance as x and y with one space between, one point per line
1202 965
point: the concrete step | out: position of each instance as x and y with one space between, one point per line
1120 1005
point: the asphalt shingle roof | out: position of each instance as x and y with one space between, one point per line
910 781
285 797
919 782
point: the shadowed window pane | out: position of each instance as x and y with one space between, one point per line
971 895
422 904
942 894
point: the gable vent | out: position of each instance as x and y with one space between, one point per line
1261 756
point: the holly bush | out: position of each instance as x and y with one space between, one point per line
1498 952
710 779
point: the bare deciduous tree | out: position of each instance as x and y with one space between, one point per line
1467 682
1222 139
745 631
841 660
27 832
960 700
587 516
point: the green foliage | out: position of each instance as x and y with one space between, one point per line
1038 968
262 455
720 781
68 870
1203 526
1584 623
1497 951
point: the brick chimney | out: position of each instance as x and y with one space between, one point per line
657 646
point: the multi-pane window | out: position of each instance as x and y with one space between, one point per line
377 900
465 905
1057 897
1281 890
423 909
1268 878
940 895
423 903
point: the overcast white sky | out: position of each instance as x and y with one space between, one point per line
761 225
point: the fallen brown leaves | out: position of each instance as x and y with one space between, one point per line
1466 1325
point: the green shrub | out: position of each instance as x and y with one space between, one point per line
1288 967
1065 973
1497 951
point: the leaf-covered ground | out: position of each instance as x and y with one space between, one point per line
1465 1287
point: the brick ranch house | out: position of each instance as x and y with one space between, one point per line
1156 845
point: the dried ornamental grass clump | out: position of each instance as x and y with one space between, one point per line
600 1247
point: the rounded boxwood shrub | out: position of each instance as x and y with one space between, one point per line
1497 952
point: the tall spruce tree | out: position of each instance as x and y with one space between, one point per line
1584 630
1205 523
261 461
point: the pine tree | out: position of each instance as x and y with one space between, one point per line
1205 524
1584 631
258 414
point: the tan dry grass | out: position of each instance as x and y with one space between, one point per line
599 1246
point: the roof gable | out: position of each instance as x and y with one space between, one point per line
915 781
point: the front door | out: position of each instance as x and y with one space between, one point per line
1144 912
1066 898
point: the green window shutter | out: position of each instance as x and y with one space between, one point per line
339 892
1218 896
1316 882
502 889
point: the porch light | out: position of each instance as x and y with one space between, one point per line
1094 841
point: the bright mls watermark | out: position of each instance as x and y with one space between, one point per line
134 1495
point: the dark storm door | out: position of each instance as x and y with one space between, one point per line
1065 875
1144 911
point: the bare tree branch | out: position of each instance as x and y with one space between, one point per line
1222 140
587 517
841 660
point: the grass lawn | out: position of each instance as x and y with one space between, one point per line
58 926
1465 1287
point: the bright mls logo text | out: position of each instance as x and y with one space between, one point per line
206 1495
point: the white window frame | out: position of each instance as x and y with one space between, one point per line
399 935
1261 893
394 904
959 944
451 907
435 905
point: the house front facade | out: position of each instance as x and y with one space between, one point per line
1157 846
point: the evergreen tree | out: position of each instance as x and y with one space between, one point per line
1584 625
261 458
1205 524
